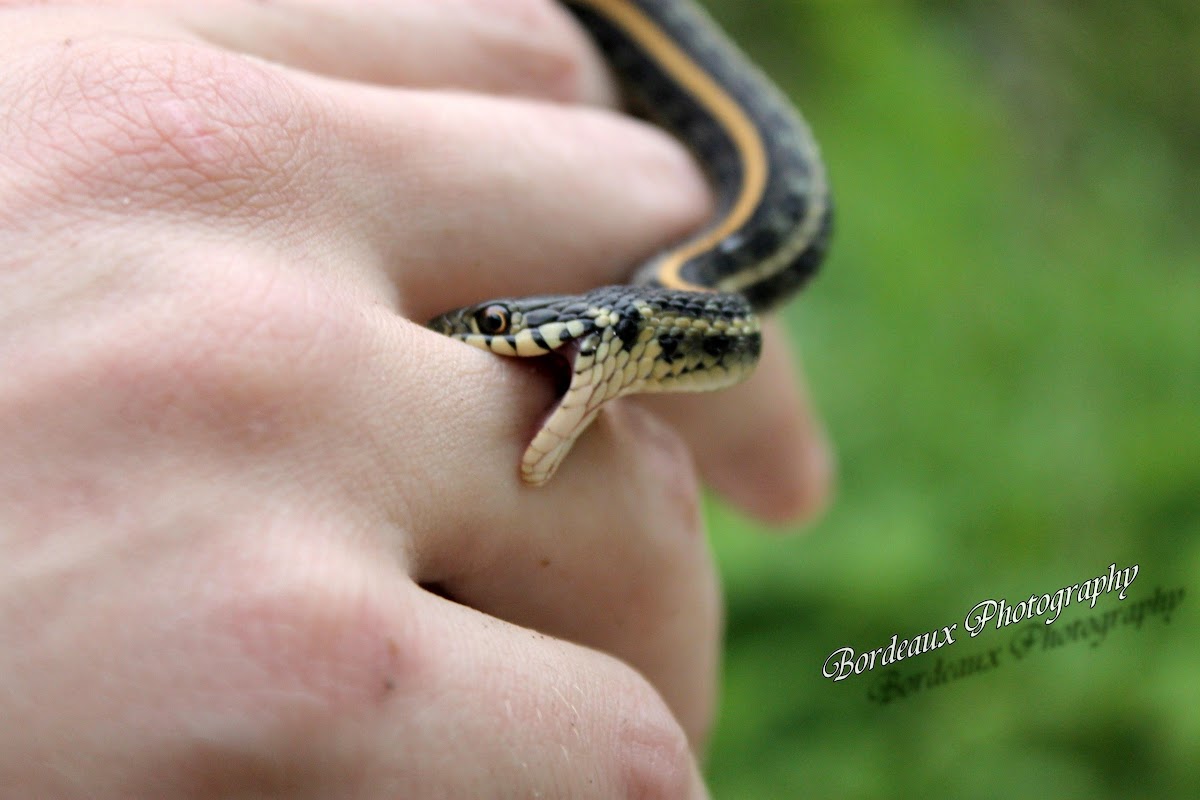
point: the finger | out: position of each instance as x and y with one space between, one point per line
467 198
348 406
372 412
767 424
450 198
611 554
519 47
510 708
305 665
759 444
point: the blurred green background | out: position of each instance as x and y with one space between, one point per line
1006 349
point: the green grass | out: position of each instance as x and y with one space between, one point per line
1006 348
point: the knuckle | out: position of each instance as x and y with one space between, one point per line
654 759
300 660
257 353
540 49
116 123
242 354
340 649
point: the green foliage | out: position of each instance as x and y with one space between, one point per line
1006 348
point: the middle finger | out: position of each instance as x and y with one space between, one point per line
465 197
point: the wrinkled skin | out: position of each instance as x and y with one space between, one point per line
234 469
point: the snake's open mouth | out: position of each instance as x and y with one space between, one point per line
577 401
560 364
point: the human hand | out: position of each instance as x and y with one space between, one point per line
233 467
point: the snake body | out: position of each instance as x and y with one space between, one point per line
687 320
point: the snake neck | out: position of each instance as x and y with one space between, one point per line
774 214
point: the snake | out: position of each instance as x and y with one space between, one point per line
689 317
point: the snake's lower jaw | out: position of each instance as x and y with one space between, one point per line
603 366
552 443
566 421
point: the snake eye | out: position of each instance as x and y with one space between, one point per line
492 320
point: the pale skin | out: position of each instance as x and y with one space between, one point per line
234 466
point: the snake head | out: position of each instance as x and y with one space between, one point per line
528 326
612 341
579 332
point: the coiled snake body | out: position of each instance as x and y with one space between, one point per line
687 319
